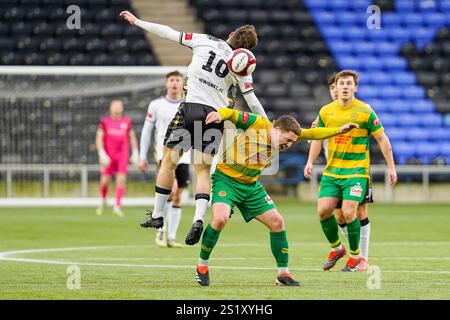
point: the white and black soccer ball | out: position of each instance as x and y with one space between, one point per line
242 62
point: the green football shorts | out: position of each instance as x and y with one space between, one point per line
251 199
345 189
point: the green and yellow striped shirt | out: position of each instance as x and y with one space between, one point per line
348 154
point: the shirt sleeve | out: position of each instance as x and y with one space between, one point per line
160 30
374 126
245 83
102 125
242 120
191 40
318 133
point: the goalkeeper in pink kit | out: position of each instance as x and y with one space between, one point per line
114 135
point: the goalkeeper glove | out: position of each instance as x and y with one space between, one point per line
103 158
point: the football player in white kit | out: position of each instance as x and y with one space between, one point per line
159 115
207 85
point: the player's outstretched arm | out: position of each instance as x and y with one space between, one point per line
325 133
160 30
386 149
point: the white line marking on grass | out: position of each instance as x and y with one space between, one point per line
5 256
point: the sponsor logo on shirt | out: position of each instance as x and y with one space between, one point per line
376 122
248 85
149 115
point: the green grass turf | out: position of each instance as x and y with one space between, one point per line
410 244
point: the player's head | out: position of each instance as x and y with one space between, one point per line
285 131
116 108
243 37
332 86
174 83
347 84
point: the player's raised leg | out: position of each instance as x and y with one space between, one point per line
163 188
279 246
202 190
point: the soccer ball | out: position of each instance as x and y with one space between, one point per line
242 62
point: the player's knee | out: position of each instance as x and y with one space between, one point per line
362 212
324 213
277 223
219 220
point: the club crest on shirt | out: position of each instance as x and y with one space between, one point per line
222 193
123 126
354 116
269 200
376 122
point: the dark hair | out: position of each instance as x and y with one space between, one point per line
244 37
345 73
332 79
288 123
175 73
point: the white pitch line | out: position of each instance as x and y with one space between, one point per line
5 257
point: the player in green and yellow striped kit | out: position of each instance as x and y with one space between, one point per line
235 181
347 172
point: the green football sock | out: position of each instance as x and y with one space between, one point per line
354 229
280 248
209 240
330 228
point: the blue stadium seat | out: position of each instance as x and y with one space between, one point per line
427 6
422 106
398 105
389 19
389 92
397 134
440 134
408 119
404 5
368 91
325 17
445 149
379 77
418 134
363 47
426 151
341 47
371 63
349 62
404 78
413 92
388 119
386 48
432 120
391 63
403 151
435 20
410 19
330 32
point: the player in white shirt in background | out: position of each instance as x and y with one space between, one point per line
159 115
207 86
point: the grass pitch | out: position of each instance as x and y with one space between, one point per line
410 252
